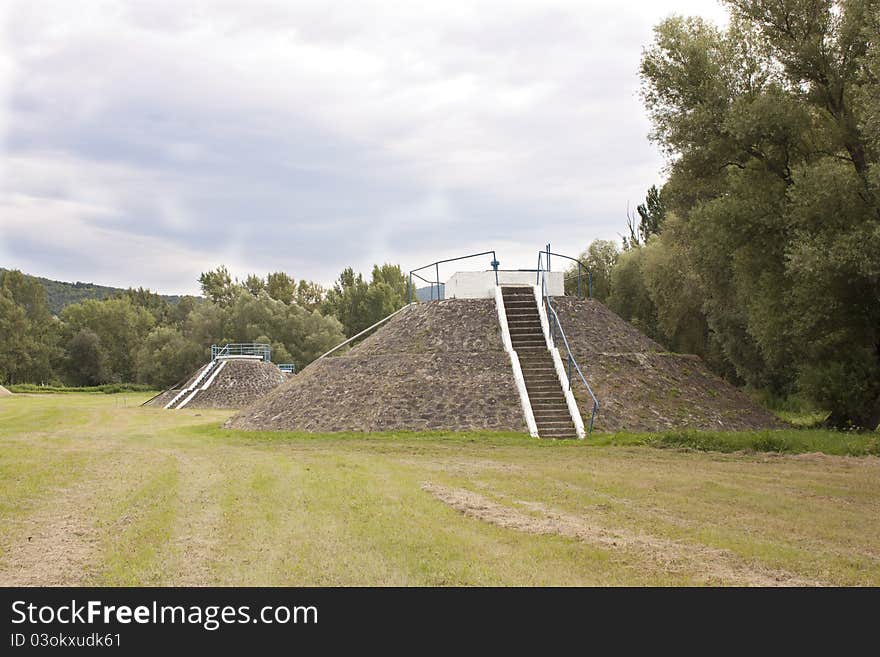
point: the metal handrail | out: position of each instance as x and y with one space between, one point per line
436 266
579 264
369 328
260 349
555 326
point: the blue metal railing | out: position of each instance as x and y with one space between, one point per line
556 330
264 351
580 265
436 265
287 368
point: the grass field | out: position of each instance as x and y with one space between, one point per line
96 490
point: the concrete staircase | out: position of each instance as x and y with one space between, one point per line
186 395
542 382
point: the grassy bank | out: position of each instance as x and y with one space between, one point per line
97 490
107 388
791 441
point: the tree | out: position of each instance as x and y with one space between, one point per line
86 359
14 347
32 333
151 301
217 285
121 327
167 357
770 127
651 214
309 295
630 297
358 304
255 284
598 260
281 287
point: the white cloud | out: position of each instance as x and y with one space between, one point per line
313 135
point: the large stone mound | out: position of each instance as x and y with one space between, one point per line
642 388
4 392
438 365
240 383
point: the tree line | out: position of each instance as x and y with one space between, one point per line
761 252
139 336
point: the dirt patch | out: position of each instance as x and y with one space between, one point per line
4 392
718 566
197 532
56 546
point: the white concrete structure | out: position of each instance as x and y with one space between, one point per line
481 284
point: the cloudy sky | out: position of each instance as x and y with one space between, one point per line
143 142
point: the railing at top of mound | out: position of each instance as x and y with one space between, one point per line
436 266
264 351
556 332
581 268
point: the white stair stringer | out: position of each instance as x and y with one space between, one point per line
514 362
204 387
560 367
195 384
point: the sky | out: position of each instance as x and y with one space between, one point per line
144 142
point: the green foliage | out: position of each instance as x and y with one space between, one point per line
217 285
789 441
138 335
651 215
59 294
598 260
630 297
30 335
86 359
281 287
310 295
121 327
167 357
768 258
358 304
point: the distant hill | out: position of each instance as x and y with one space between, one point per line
61 294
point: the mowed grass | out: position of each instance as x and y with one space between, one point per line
97 490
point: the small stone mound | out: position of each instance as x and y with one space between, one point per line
642 388
435 366
240 383
4 392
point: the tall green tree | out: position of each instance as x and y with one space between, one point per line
86 360
359 304
32 339
768 127
651 214
217 285
121 327
597 264
281 287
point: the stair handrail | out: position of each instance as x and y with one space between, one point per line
556 326
356 336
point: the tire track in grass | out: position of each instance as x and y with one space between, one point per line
190 554
58 539
137 528
714 565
